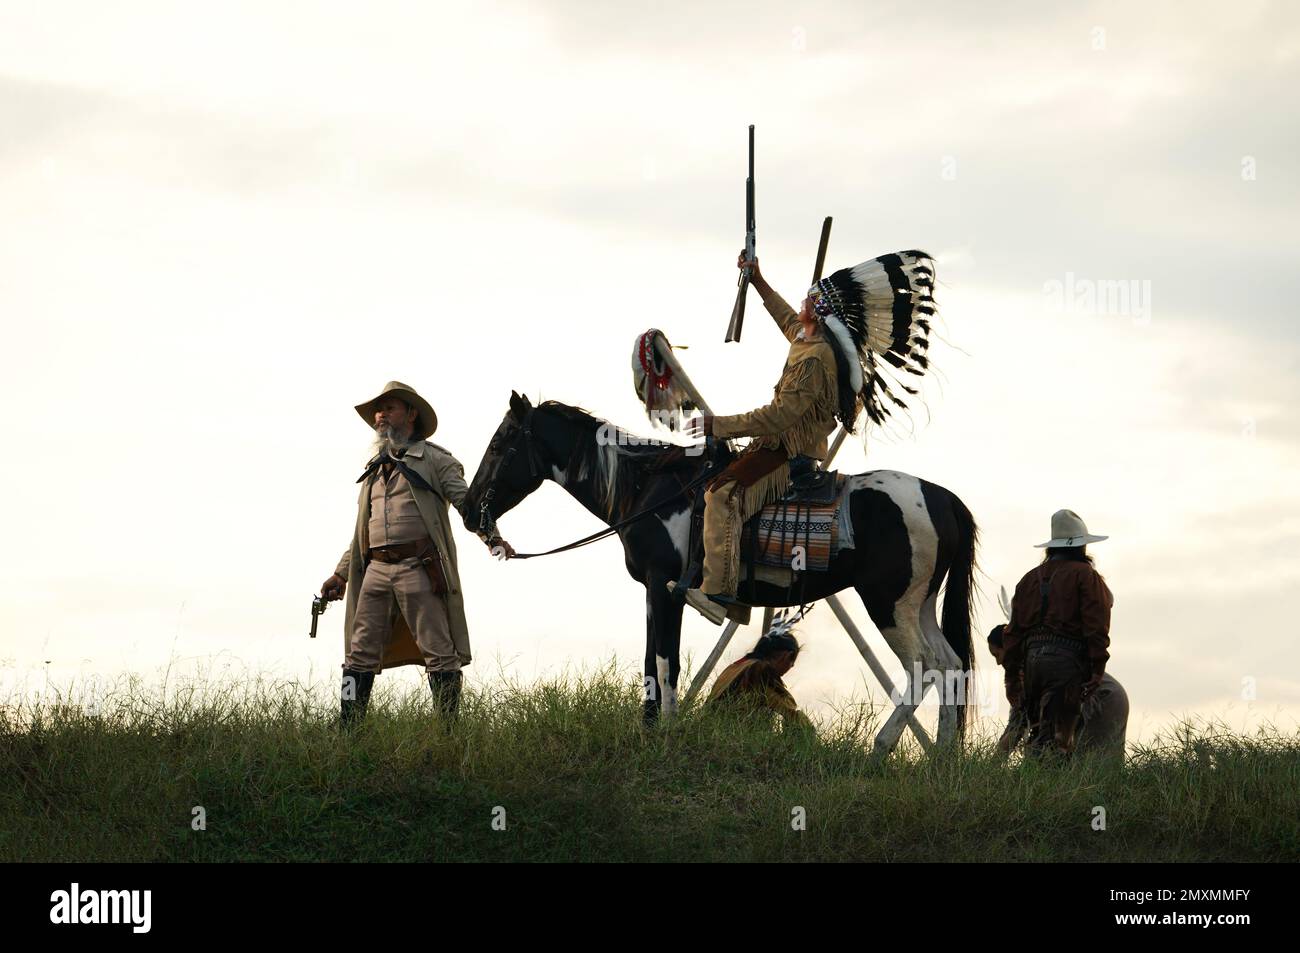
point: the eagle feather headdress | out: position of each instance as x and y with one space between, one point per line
878 315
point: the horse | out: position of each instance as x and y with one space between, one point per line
909 536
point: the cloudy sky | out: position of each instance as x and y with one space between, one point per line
224 225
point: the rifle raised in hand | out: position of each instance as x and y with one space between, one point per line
738 311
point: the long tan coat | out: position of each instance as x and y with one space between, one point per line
446 475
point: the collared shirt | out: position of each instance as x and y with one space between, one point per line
448 477
394 517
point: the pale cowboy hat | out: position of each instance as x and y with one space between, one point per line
426 422
1068 530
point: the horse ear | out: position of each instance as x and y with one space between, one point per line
518 404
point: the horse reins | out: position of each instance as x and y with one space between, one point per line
485 517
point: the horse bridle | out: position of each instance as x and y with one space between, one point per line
485 520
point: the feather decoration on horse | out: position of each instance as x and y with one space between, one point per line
879 316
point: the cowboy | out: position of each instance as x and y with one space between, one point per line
1103 717
404 600
754 681
1055 646
797 422
851 325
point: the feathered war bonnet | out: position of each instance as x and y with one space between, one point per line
878 313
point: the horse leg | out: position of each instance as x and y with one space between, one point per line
900 623
664 633
952 690
651 695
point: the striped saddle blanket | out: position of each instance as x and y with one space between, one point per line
791 534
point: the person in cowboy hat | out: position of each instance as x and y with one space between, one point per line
1055 646
851 326
404 600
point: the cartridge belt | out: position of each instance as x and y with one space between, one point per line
399 551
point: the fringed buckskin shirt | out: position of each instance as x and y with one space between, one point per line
802 412
755 683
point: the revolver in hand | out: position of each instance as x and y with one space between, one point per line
318 606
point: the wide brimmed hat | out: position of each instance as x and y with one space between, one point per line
425 423
1068 530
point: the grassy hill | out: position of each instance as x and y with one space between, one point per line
580 779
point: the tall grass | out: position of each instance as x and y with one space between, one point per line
579 779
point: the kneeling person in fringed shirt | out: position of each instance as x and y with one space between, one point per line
754 681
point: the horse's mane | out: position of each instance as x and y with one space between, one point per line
616 465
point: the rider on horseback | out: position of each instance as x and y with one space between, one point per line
797 421
877 311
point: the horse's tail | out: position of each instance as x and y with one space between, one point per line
957 603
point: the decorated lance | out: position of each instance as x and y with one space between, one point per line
821 252
665 352
746 273
661 382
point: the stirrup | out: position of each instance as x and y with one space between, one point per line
701 603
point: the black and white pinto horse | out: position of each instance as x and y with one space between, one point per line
909 535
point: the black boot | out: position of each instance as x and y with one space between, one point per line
446 694
354 696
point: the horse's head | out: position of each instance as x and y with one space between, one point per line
511 468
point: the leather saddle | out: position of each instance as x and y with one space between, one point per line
808 485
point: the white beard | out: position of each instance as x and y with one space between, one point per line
387 441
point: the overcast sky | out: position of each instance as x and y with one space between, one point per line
225 225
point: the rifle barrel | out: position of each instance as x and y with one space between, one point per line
738 309
749 184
